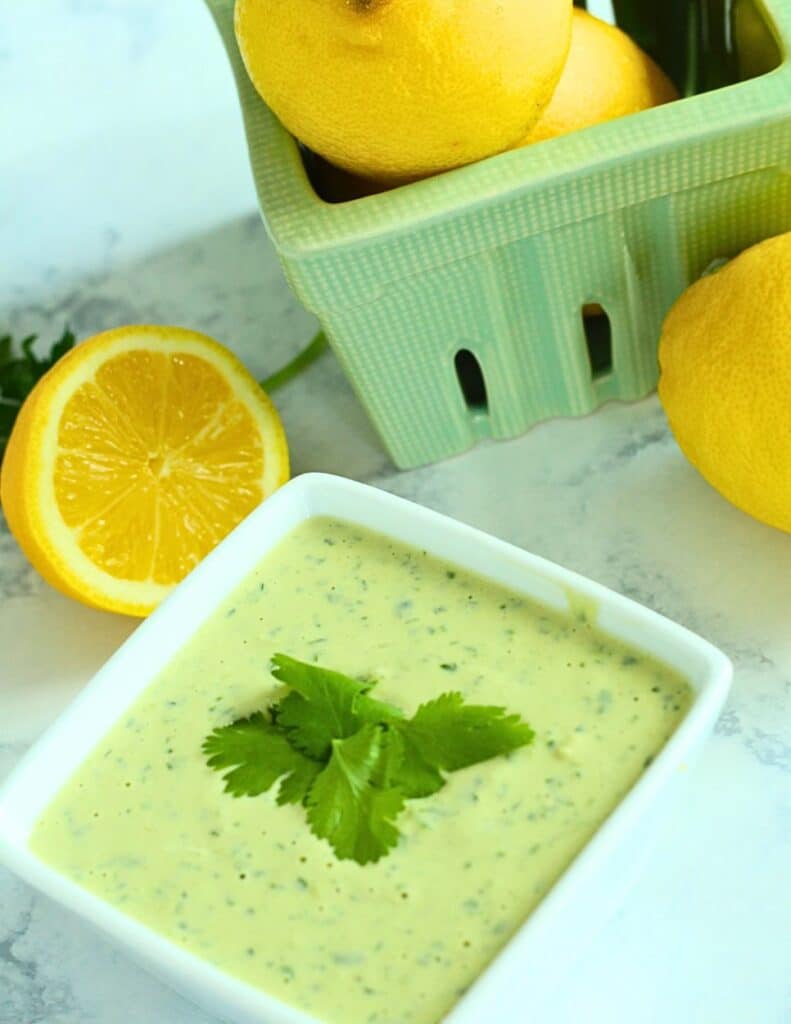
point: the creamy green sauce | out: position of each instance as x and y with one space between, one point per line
243 884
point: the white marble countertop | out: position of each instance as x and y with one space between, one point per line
126 196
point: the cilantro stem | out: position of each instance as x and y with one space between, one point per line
300 362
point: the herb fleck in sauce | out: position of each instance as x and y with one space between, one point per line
243 883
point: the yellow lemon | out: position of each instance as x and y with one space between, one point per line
132 458
606 76
394 90
725 358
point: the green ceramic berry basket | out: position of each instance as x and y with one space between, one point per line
455 304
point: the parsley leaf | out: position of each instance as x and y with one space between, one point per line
356 817
258 755
19 373
352 761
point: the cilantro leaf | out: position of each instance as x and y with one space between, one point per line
258 755
416 777
295 787
324 706
346 808
320 709
449 734
305 724
389 765
19 374
369 709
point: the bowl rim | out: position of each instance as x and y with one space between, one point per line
30 787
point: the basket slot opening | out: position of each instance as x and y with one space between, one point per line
598 338
471 380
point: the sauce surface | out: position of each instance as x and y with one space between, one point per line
243 884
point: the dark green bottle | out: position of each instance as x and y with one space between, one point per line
689 39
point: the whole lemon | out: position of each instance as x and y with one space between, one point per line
725 359
394 90
606 76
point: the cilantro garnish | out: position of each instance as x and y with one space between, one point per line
347 807
258 754
350 760
324 706
18 374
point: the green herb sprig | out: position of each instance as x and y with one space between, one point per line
18 374
353 761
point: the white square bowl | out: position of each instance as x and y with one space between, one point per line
527 970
